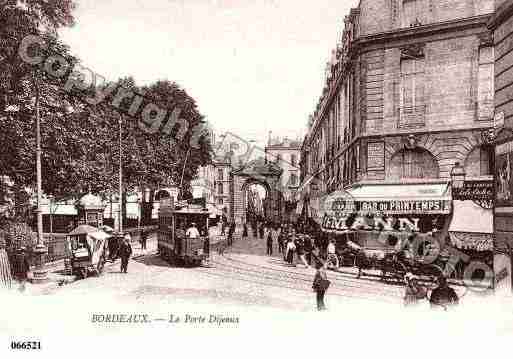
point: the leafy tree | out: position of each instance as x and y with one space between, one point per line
81 149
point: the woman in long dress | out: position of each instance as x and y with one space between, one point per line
245 230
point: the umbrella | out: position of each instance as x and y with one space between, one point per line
106 228
84 229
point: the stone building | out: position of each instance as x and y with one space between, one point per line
502 26
286 154
222 185
408 96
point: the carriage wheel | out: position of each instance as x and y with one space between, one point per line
82 273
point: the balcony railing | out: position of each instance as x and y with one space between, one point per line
412 116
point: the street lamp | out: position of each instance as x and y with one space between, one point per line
458 176
39 274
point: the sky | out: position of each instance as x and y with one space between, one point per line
253 66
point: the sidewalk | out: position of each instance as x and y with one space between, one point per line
57 277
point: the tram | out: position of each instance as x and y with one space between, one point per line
173 244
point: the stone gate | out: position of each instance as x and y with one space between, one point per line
260 172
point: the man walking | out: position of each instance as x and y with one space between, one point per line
144 239
307 245
125 251
269 243
320 285
231 231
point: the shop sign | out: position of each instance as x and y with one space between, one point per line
393 207
480 192
376 156
401 223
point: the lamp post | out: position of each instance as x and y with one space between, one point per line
39 273
458 176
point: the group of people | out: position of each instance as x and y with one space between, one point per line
443 296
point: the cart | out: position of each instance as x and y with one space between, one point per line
87 245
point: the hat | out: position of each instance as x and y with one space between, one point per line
409 276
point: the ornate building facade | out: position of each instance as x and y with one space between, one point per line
408 96
502 26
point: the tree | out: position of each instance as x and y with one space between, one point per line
80 149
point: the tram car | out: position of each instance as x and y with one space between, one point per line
173 244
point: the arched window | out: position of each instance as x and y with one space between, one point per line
479 161
413 163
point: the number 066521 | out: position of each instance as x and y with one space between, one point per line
26 345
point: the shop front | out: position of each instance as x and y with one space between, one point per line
385 217
424 218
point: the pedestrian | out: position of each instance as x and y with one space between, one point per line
125 251
280 232
332 258
291 248
320 285
261 230
5 266
253 228
223 224
413 292
307 245
244 231
269 243
21 268
144 239
231 231
443 295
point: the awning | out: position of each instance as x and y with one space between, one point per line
471 226
469 217
401 198
58 209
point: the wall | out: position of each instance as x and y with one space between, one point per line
503 40
385 15
450 92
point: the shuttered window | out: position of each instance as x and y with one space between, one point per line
412 103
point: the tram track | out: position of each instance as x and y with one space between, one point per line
337 276
251 279
301 282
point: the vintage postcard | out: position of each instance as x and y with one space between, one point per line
256 177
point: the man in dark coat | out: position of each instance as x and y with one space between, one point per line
21 267
308 247
144 239
443 295
125 251
231 231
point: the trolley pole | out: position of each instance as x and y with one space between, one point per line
183 171
120 219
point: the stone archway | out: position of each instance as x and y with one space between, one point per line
262 173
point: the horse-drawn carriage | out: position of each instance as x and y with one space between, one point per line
391 254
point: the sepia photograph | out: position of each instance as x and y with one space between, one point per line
240 178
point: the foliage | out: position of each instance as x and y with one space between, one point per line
80 150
